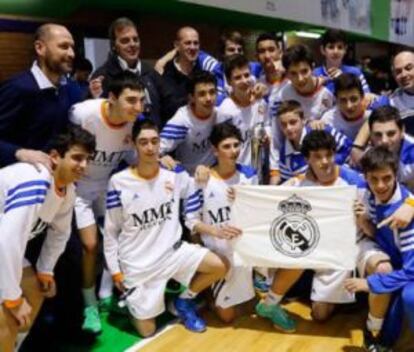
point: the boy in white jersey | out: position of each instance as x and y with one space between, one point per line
31 201
352 109
241 108
110 121
291 161
187 132
304 86
142 241
318 147
212 216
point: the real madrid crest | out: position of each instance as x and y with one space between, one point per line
294 233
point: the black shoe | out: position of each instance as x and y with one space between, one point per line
372 343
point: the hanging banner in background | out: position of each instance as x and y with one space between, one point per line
402 22
296 227
349 15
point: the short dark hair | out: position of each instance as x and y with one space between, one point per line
222 131
82 63
347 81
200 77
316 140
378 158
74 135
118 24
290 106
267 36
143 123
233 62
123 80
385 114
296 54
331 36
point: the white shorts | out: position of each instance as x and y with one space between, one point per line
147 301
328 286
237 287
367 249
87 211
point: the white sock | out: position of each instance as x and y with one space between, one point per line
20 339
272 298
89 296
188 294
105 289
374 324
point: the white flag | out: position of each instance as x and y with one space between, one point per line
296 227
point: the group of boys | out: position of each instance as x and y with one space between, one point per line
316 125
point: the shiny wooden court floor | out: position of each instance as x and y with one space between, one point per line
252 334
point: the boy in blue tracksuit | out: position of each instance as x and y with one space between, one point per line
380 168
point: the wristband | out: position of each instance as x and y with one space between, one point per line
118 277
360 147
409 201
10 304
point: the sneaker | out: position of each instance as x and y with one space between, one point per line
186 310
92 322
279 317
372 342
105 304
261 285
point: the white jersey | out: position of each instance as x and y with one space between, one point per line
188 136
214 206
350 128
246 119
142 220
313 104
29 204
113 144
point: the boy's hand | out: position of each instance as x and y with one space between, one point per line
356 285
400 218
227 232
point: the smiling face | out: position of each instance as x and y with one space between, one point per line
128 105
382 183
291 125
334 53
403 70
55 49
300 74
203 99
227 151
388 134
72 166
322 163
127 44
187 44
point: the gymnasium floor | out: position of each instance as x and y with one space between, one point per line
342 333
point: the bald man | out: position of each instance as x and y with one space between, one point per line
176 73
34 104
403 96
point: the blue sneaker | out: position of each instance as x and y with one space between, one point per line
187 312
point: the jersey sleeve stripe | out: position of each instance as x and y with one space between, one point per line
406 234
175 127
113 205
33 201
28 184
407 248
408 240
26 194
172 136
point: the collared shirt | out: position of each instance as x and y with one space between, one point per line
41 79
125 67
